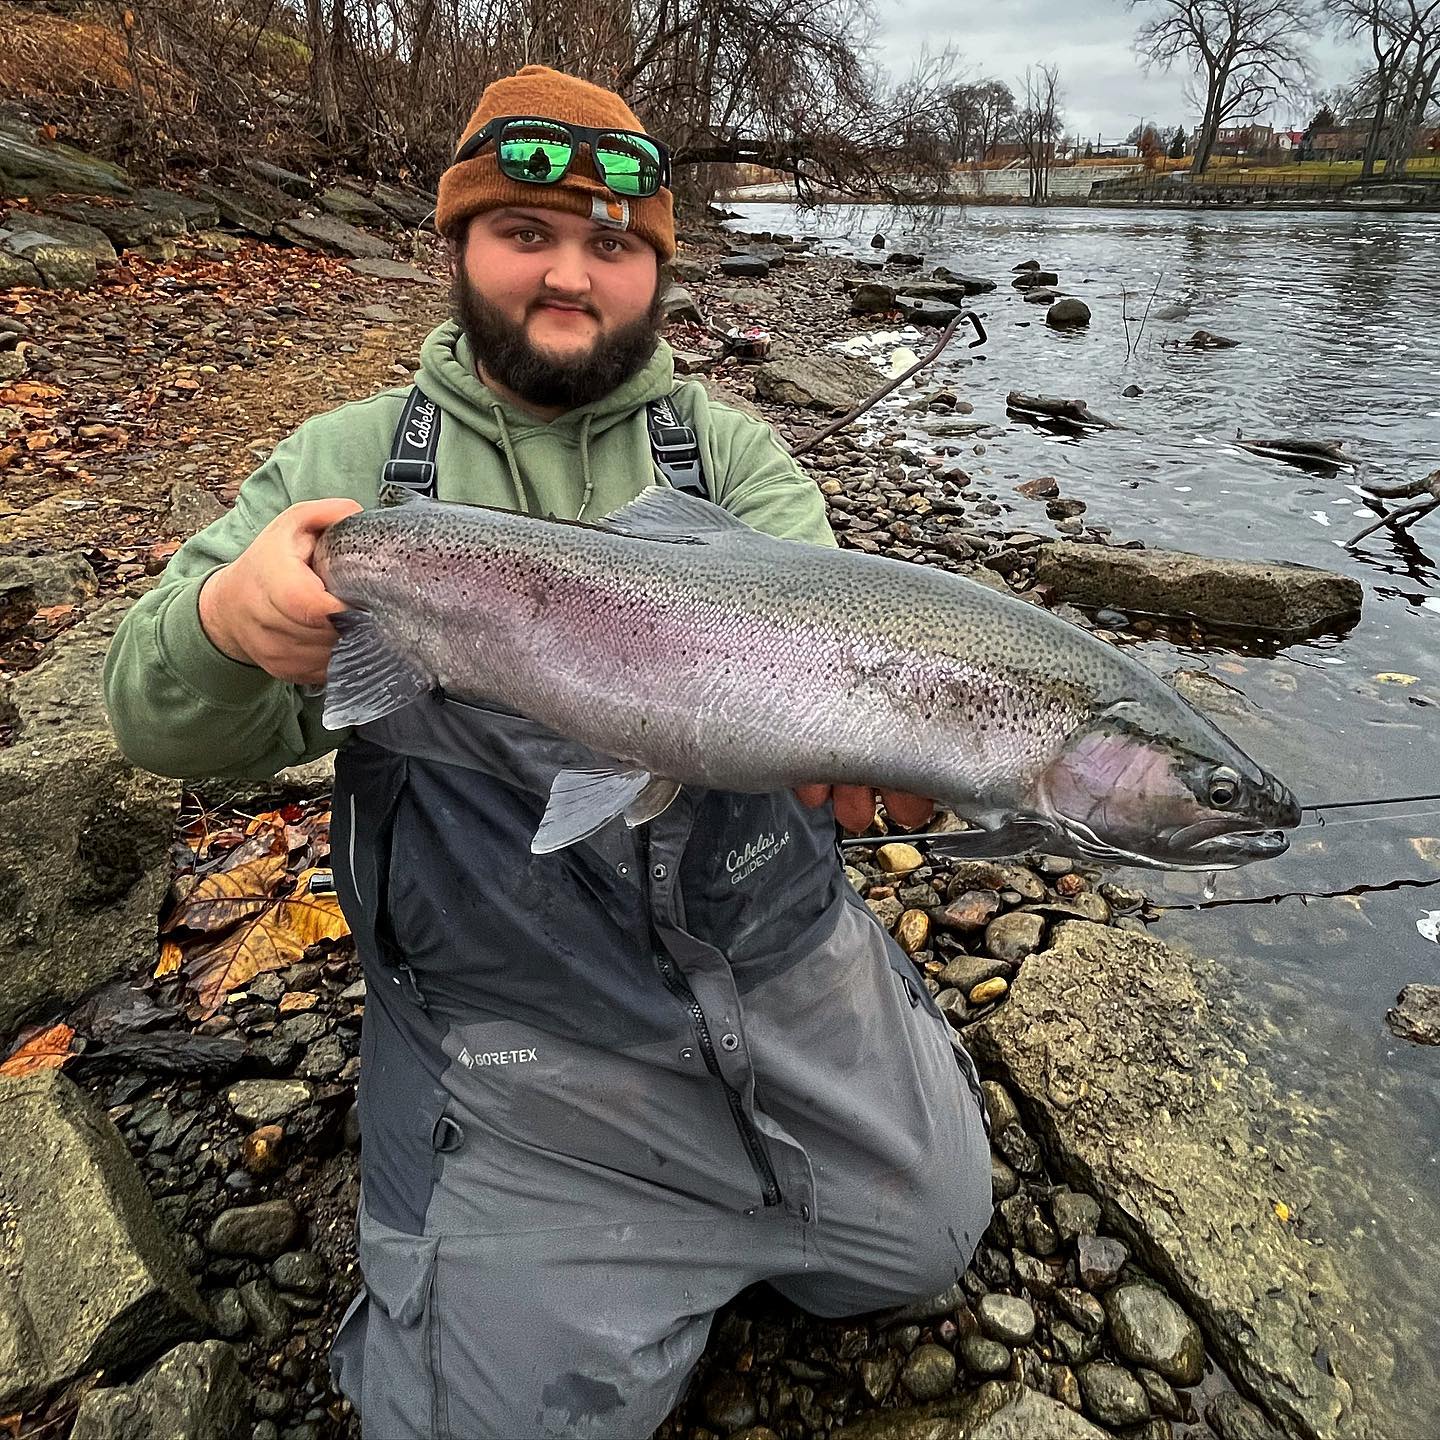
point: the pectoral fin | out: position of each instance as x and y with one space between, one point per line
368 676
584 801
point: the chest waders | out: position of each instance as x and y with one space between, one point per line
604 1090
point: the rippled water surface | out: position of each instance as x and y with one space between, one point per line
1339 319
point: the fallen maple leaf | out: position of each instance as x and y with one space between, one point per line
273 938
228 896
46 1050
55 614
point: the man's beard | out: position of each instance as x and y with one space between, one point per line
504 349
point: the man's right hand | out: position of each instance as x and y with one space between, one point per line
268 607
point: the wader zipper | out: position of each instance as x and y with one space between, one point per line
676 983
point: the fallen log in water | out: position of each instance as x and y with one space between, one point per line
1054 410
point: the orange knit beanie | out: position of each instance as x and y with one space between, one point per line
477 184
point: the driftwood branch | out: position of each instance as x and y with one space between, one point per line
946 335
1424 496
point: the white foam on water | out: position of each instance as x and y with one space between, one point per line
1320 517
1431 602
1429 925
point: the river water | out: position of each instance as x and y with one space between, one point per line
1336 313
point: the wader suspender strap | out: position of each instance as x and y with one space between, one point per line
417 438
412 452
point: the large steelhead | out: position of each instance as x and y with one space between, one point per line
685 648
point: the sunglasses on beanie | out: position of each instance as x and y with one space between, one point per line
538 151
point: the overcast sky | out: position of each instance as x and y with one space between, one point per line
1104 89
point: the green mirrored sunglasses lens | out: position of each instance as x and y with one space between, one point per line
537 153
630 164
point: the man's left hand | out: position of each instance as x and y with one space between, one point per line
855 805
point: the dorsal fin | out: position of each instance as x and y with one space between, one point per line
665 514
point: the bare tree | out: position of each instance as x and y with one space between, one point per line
1038 125
1244 54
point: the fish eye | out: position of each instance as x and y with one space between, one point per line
1224 789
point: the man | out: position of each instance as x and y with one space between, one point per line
602 1091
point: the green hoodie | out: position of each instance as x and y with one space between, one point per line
180 707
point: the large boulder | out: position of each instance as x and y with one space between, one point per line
125 226
1066 313
89 1277
196 1392
871 298
192 213
354 207
256 209
30 167
84 836
1255 594
1149 1103
816 382
409 207
329 233
999 1410
63 252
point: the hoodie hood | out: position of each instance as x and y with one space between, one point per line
579 466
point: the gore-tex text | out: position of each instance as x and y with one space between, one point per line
496 1057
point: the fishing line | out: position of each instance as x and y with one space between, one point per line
1306 895
1323 824
1352 804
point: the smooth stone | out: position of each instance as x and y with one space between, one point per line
1100 1261
262 1231
999 1106
1112 1395
1075 1215
1007 1318
1149 1328
1014 936
984 1357
1234 1418
898 858
988 990
1004 1182
266 1102
728 1403
1067 313
929 1372
967 912
300 1270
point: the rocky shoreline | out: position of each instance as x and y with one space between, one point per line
1144 1266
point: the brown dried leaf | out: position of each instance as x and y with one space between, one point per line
273 939
239 892
172 957
46 1050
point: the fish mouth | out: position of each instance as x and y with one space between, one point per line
1238 847
1188 849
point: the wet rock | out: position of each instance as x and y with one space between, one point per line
984 1357
999 1105
1004 1182
1007 1318
929 1372
750 267
967 912
834 383
262 1231
1067 313
1013 936
1416 1015
989 990
1083 1311
332 235
1112 1395
1075 1215
872 299
1151 1329
899 859
197 1392
1235 1419
302 1271
728 1403
267 1311
965 972
878 1376
228 1313
1029 279
1159 1393
89 1279
913 931
263 1102
919 311
932 1307
1207 340
1186 1125
903 260
1100 1261
1291 599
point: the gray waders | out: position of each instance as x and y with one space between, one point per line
603 1091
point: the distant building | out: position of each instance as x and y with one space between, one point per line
1243 140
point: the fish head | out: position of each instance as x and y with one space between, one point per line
1156 784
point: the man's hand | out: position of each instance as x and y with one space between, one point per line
855 805
268 607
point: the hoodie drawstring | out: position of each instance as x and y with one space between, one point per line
522 500
508 451
585 464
